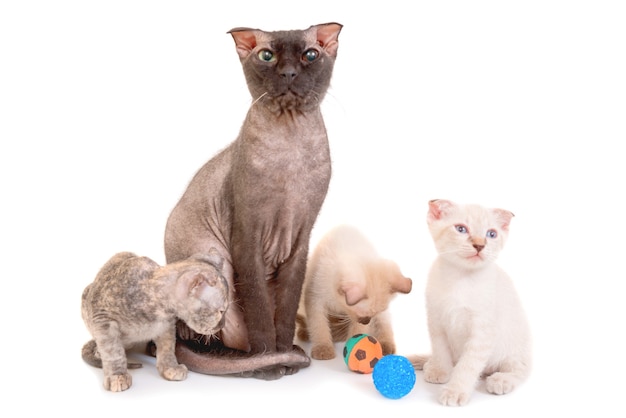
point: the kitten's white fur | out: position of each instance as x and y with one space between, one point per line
347 290
476 322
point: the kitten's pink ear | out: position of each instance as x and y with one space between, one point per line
402 284
327 37
504 217
245 40
353 293
437 209
190 283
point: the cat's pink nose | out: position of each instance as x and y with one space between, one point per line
478 247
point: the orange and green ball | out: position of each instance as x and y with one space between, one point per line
361 353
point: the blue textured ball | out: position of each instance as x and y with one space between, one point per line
394 376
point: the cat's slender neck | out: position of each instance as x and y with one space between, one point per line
277 113
287 126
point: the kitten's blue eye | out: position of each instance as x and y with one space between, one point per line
492 233
461 229
266 55
310 55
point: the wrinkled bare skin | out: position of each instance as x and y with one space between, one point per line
257 200
134 300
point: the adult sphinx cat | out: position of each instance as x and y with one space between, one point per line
257 200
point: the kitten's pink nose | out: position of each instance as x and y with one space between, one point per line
478 247
364 320
478 243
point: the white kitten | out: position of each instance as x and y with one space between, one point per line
476 322
347 290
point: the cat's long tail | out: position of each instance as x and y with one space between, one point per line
262 366
92 357
418 360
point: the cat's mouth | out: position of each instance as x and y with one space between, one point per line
287 100
478 257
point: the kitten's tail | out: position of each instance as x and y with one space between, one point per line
418 360
90 354
92 357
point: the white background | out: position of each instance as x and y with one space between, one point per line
108 108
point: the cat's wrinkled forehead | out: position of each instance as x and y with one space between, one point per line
325 36
286 40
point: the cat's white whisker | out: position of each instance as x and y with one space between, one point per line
258 98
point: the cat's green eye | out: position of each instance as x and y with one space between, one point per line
266 55
461 229
310 55
492 233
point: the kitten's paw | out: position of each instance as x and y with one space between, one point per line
435 374
452 397
118 382
500 383
323 352
176 373
389 347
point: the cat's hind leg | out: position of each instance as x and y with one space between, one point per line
92 357
506 378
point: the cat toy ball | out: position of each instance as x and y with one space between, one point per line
394 376
361 353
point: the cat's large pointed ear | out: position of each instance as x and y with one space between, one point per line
437 209
190 283
245 40
352 292
504 217
327 37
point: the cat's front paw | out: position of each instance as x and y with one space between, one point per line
389 347
176 373
323 352
500 383
453 397
435 374
118 382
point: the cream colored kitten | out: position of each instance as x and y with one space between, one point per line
347 290
476 322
